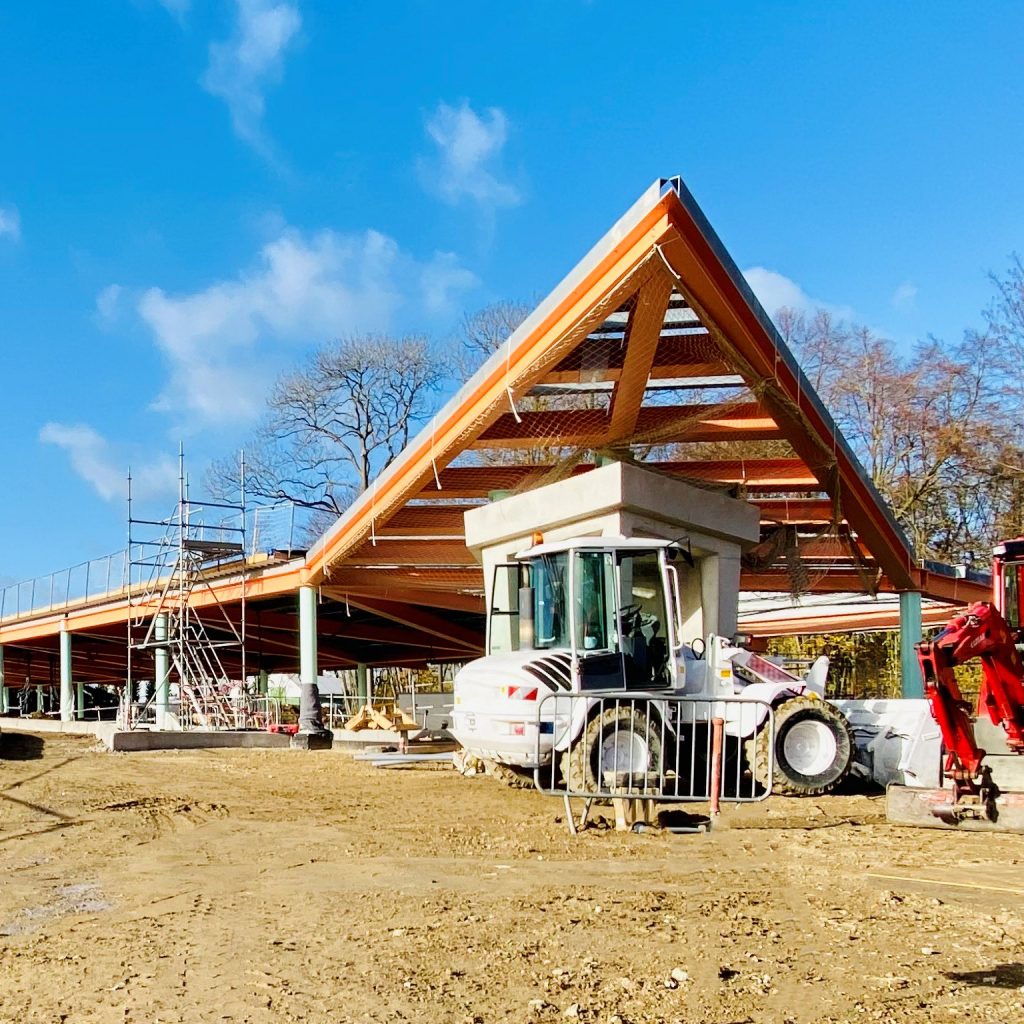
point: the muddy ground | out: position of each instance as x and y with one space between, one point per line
274 885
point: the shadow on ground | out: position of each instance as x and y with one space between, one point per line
1000 976
20 746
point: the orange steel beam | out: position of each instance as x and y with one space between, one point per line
847 621
713 286
667 371
792 511
423 621
416 551
643 330
948 588
763 474
661 424
602 287
439 599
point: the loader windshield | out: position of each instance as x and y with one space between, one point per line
550 586
1011 593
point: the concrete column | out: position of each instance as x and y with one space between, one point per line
911 683
263 682
67 686
79 701
311 723
5 701
362 687
161 674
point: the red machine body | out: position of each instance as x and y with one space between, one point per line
991 633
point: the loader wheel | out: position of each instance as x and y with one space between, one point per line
619 739
509 775
813 748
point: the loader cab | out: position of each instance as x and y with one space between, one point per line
610 603
1008 581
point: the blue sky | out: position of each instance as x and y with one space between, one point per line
195 192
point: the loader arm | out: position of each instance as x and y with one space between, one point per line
984 634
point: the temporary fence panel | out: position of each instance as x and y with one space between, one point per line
651 746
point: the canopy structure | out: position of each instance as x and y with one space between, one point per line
653 349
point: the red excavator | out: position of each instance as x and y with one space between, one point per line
992 633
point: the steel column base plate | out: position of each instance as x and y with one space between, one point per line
313 740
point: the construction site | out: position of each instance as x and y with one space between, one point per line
507 740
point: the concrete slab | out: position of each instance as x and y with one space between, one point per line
145 739
140 740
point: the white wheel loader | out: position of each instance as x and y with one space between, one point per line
594 611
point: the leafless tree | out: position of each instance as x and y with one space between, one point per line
931 427
336 422
486 330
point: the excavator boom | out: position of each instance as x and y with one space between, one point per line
973 799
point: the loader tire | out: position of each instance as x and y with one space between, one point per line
617 739
509 775
813 748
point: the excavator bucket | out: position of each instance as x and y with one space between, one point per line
934 808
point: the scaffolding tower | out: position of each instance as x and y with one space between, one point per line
178 630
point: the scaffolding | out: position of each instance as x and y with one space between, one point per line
179 632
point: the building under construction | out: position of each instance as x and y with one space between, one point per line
652 349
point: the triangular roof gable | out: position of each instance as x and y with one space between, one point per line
658 296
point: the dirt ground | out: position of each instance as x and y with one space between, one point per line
277 885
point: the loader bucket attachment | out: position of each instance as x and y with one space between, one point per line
935 808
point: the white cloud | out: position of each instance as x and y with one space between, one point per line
775 291
222 342
176 8
108 303
97 462
904 296
469 146
10 223
242 67
443 278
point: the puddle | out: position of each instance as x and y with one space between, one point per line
84 898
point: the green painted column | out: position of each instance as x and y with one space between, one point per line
79 701
362 687
311 721
67 686
263 682
911 630
39 697
161 674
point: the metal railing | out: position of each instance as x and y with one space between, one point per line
338 708
244 711
283 527
668 748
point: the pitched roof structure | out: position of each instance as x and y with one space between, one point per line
655 349
652 349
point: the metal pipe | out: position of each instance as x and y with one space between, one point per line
717 733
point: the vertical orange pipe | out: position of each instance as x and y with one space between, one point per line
717 733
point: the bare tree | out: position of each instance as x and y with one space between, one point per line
486 330
933 427
336 422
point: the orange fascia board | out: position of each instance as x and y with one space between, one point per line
713 282
600 273
278 581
